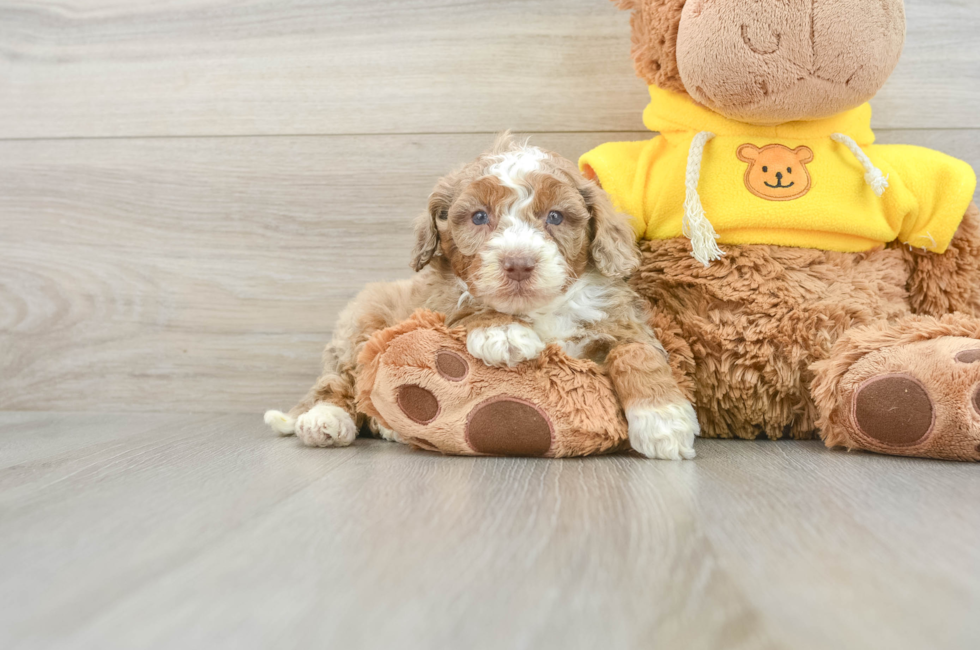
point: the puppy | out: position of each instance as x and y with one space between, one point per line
521 250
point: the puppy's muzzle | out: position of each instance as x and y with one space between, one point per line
519 268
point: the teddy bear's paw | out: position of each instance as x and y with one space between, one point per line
921 399
508 426
453 414
505 345
665 432
326 425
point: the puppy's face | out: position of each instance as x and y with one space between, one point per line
519 224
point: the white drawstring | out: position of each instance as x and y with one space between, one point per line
873 175
696 226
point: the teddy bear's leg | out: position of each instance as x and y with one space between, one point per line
908 388
420 381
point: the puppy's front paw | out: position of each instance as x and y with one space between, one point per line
665 432
506 345
326 425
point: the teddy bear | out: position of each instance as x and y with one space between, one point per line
804 281
825 286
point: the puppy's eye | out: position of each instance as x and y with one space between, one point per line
481 218
765 169
555 217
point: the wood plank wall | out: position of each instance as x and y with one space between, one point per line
190 190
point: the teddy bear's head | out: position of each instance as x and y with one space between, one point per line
768 61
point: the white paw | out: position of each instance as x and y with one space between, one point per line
507 345
383 431
326 425
665 432
280 423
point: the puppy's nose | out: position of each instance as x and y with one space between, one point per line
518 268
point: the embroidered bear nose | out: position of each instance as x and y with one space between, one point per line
779 176
518 268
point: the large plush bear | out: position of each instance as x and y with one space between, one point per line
823 285
805 281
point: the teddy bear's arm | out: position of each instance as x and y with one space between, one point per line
949 282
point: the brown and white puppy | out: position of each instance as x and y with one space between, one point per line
521 250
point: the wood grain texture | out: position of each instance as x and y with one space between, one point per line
177 531
83 68
205 274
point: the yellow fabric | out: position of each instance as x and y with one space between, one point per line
927 196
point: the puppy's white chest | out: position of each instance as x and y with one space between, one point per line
570 318
558 328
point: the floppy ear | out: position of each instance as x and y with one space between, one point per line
426 232
426 241
748 153
614 250
803 154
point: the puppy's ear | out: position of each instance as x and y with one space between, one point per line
426 232
614 250
426 241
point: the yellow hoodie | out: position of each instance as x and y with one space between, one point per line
815 184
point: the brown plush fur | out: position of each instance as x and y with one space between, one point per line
756 321
942 284
757 318
923 348
654 25
577 397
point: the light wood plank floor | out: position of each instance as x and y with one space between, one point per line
197 531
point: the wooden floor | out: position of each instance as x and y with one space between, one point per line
196 531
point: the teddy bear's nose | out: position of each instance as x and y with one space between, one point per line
779 176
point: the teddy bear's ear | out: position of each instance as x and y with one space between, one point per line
654 26
803 154
750 153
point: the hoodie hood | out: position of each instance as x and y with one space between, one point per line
672 113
